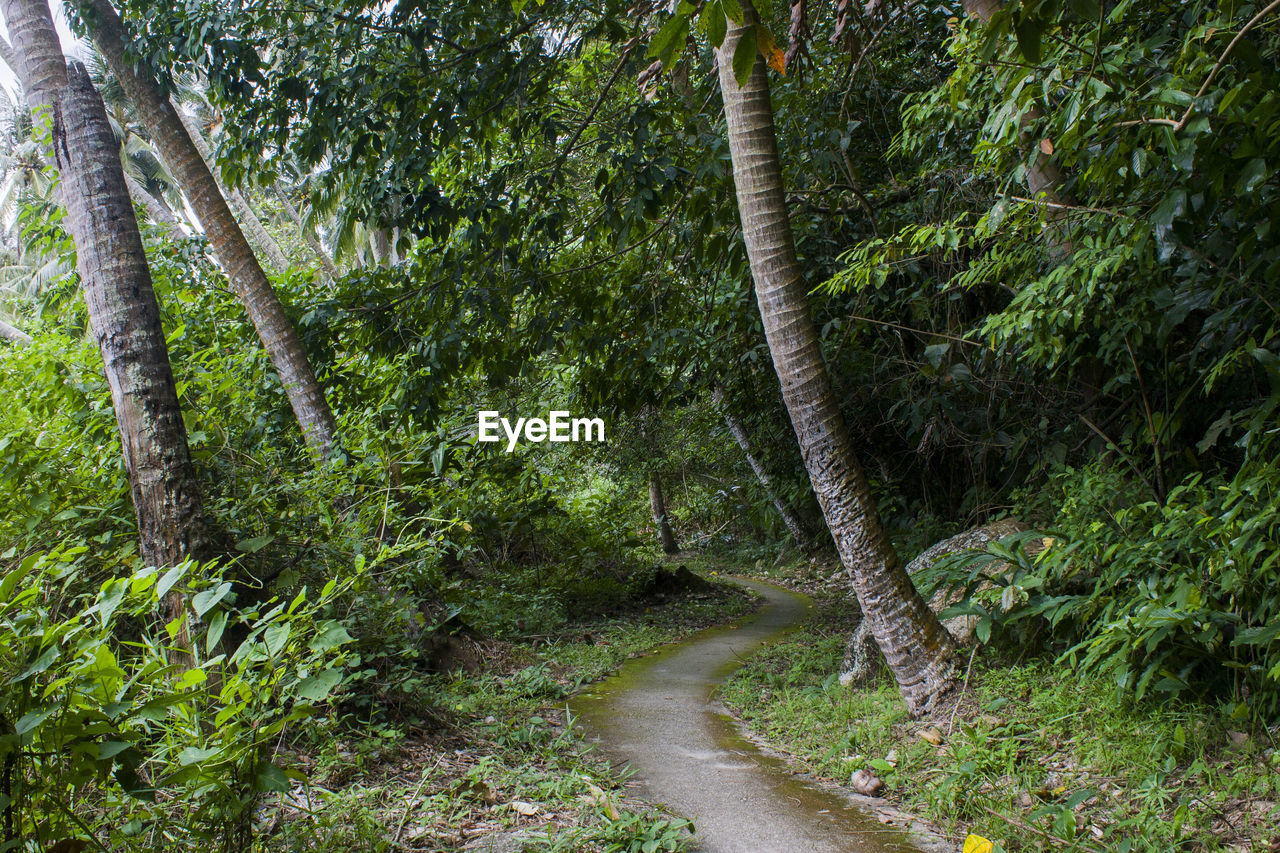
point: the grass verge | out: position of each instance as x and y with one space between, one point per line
489 761
1032 756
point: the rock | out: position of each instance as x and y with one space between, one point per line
660 583
866 782
862 656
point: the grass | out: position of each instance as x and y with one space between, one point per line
498 760
1033 756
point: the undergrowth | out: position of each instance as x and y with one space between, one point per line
1033 756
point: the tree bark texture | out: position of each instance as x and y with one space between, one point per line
666 537
155 208
916 647
123 313
13 334
193 175
794 526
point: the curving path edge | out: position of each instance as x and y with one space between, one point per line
659 714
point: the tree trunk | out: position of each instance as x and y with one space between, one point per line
244 212
155 208
326 262
194 178
915 645
794 526
13 335
123 312
658 504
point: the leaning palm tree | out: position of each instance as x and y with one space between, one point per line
916 646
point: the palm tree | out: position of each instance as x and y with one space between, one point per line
916 646
123 312
180 148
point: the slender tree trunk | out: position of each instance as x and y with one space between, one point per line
155 208
326 262
915 645
123 312
794 526
244 212
193 176
658 504
13 335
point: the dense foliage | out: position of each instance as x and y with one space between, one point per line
518 226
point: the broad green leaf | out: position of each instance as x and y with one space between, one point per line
744 56
197 755
206 599
217 624
319 686
732 10
256 544
12 578
1028 31
170 578
713 23
331 635
675 28
275 637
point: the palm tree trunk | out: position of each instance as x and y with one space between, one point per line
13 335
123 312
792 521
193 176
244 212
915 645
658 504
155 208
326 262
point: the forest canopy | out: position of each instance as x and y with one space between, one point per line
834 278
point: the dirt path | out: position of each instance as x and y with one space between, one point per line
659 715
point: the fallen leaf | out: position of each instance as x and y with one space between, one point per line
526 809
932 735
977 844
1046 146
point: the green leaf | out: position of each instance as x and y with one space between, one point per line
205 600
275 637
318 687
31 720
713 23
732 10
170 578
270 778
1085 9
744 56
217 624
1028 31
196 755
109 599
331 635
256 544
675 28
11 579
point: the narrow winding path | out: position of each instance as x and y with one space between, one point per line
659 715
